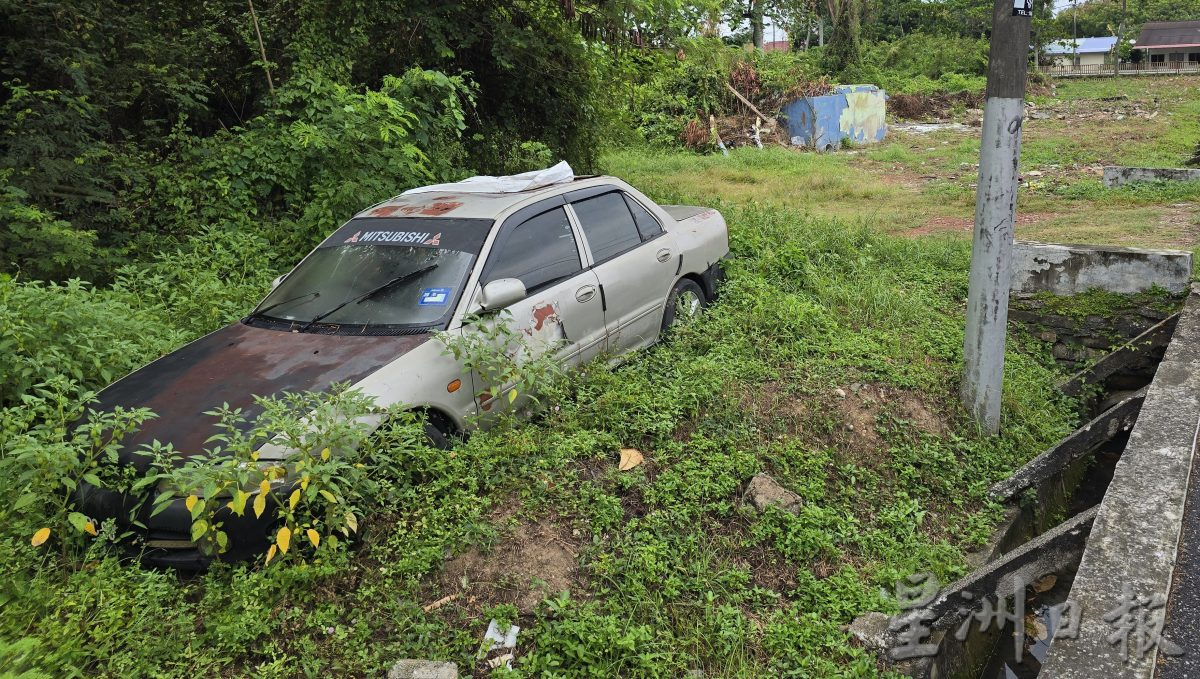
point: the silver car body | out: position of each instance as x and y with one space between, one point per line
611 306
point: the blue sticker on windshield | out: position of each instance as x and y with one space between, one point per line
435 297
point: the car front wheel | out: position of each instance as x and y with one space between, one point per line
684 303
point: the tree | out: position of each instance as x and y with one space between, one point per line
754 11
844 49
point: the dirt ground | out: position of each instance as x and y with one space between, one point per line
532 561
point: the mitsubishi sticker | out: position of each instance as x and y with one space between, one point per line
442 233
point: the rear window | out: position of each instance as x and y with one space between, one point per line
608 225
647 226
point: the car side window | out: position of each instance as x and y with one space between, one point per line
608 225
647 226
539 251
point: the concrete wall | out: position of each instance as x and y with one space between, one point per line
1089 59
854 112
1117 176
1077 341
1064 269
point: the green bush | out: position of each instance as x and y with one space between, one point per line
76 331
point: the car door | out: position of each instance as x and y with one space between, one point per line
634 259
562 311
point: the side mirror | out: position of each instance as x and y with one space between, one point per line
500 293
278 279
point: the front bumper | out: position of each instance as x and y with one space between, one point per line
167 536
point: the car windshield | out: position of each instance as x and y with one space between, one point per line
393 272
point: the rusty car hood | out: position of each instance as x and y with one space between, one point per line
233 365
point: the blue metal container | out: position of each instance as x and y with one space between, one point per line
854 112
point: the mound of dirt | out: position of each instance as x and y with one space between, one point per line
847 419
533 562
860 408
931 106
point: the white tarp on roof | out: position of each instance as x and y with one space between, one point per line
516 183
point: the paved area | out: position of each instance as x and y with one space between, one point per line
1183 604
1130 561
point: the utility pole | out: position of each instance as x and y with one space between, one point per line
995 212
1075 34
1120 38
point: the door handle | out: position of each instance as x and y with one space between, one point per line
663 255
585 293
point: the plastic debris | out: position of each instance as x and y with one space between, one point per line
516 183
498 648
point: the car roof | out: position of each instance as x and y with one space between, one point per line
452 205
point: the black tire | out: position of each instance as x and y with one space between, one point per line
687 297
437 438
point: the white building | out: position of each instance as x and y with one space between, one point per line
1081 52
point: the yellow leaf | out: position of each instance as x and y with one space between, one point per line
190 502
314 537
512 395
294 499
238 503
254 456
260 504
1045 583
271 553
325 454
90 528
283 539
352 521
329 496
264 487
630 458
304 482
40 537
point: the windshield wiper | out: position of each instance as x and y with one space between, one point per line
370 293
260 312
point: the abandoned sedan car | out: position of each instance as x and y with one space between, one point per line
585 265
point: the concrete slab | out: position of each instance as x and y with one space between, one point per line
1082 441
1116 176
1135 536
1127 356
1067 269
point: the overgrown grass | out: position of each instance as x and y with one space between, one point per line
674 573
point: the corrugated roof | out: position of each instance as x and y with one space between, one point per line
1086 45
1160 34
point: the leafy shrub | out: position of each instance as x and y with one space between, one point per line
317 482
320 155
75 331
36 243
45 454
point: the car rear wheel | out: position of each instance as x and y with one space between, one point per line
684 303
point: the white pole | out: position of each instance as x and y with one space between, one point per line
995 212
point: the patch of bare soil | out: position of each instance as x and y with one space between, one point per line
1106 108
846 419
860 409
1184 219
960 224
534 561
